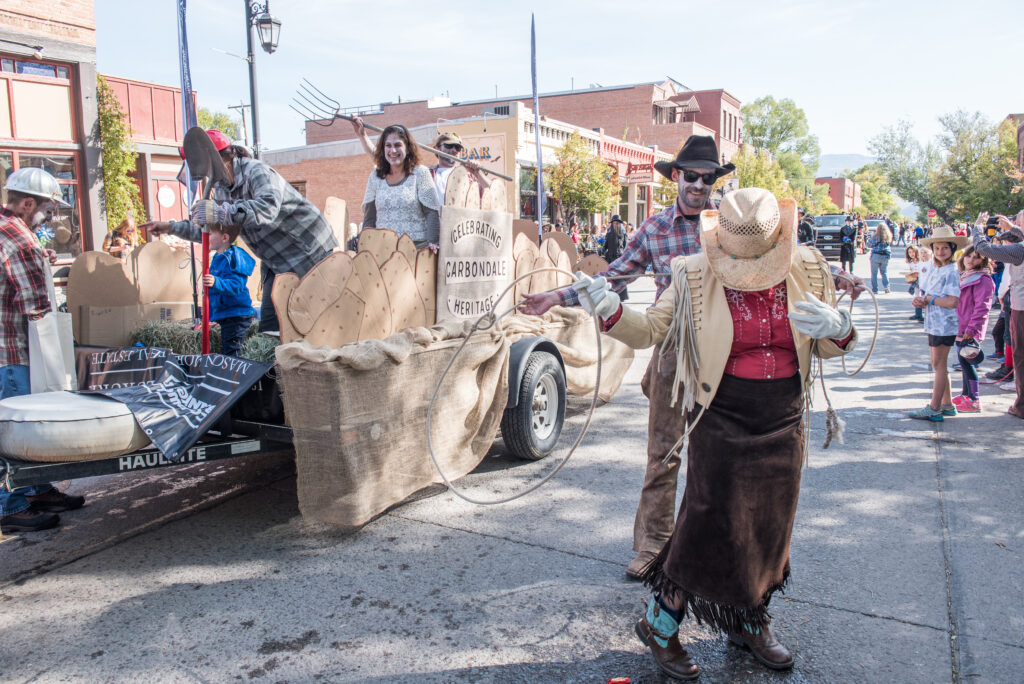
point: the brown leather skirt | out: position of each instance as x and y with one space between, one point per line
729 551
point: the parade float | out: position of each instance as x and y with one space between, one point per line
366 336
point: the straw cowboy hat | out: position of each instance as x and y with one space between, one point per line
750 240
946 234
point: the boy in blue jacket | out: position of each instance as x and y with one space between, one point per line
230 304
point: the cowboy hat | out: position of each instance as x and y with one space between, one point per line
700 153
616 218
448 139
750 240
945 234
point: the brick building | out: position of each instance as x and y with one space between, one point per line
501 142
844 192
48 103
662 114
154 114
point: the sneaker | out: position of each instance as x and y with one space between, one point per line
887 291
997 356
948 409
28 521
969 405
916 318
55 501
1009 386
958 399
926 413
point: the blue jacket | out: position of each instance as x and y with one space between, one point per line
879 247
229 296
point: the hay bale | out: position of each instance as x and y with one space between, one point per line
178 336
259 347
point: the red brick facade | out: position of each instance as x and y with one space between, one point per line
648 114
844 192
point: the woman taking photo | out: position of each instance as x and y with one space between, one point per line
400 193
880 244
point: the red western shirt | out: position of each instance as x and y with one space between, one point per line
22 287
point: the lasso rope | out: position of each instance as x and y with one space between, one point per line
493 319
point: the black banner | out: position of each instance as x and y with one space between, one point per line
188 395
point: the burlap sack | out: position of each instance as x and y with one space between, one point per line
358 415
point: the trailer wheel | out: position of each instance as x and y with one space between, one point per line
531 428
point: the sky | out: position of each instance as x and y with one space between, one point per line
854 67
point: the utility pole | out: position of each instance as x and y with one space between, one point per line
241 107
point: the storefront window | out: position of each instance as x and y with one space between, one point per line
528 195
6 166
623 210
60 166
641 203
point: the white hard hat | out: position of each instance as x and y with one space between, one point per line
36 182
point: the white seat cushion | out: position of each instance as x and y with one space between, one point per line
57 427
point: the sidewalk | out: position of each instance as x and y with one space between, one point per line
906 561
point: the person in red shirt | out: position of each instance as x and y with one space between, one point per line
31 196
739 325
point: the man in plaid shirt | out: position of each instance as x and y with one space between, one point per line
285 230
31 195
668 234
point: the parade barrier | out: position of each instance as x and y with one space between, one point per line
358 413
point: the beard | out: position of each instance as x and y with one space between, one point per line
37 219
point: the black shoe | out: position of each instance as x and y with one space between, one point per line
28 521
55 501
998 373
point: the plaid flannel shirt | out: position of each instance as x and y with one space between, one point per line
657 241
23 288
285 230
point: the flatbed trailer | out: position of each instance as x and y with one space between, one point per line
246 437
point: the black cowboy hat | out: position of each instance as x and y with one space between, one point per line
615 218
699 152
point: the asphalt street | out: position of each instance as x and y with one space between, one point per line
906 560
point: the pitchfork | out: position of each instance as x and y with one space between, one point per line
316 106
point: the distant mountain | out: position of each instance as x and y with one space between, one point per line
835 164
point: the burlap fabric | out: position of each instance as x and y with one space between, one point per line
358 413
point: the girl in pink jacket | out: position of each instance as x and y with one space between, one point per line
976 290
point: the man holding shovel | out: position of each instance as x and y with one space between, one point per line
286 231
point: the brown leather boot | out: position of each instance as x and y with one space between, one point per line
672 658
639 564
765 647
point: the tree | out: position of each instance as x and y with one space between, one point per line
225 123
756 168
581 181
781 128
875 194
968 169
119 194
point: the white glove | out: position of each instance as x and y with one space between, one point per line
820 321
205 212
596 296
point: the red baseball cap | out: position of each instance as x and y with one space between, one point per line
220 141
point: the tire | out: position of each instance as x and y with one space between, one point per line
532 428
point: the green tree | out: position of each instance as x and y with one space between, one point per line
119 194
581 181
781 128
225 123
756 168
969 167
876 195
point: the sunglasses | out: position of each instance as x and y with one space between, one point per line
692 176
453 148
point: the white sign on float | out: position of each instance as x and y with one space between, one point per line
476 264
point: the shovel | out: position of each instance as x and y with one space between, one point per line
204 163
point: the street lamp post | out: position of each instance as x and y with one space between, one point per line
258 16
